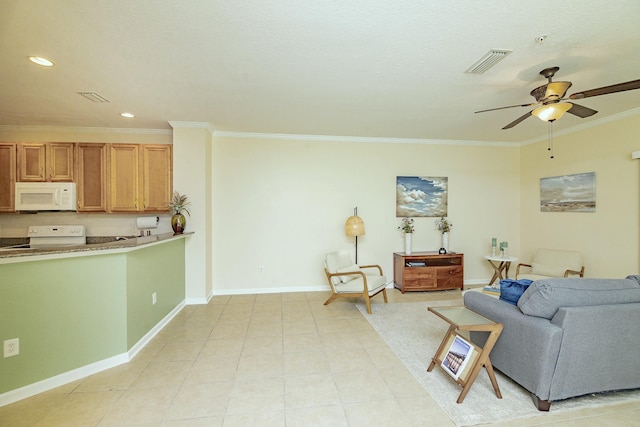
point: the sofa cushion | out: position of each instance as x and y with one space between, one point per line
545 297
512 290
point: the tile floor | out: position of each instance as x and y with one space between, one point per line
265 360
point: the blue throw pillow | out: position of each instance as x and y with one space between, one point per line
512 290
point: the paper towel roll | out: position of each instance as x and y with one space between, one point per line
144 222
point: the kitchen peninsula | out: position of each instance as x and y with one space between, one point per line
80 310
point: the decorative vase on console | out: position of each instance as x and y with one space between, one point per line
408 229
444 226
407 243
179 204
445 243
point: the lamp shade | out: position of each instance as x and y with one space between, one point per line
551 112
354 226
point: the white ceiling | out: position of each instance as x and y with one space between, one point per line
370 68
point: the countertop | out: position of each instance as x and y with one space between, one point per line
107 243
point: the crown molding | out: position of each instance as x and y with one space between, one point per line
362 139
77 129
196 125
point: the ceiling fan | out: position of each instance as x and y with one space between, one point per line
551 101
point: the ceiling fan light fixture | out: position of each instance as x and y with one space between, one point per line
551 112
557 89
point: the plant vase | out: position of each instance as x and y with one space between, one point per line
407 243
178 223
444 244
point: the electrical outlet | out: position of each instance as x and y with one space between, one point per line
261 269
154 298
11 347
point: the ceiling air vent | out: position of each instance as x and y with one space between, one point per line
489 60
93 96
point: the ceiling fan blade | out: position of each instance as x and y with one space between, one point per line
510 106
580 111
620 87
518 120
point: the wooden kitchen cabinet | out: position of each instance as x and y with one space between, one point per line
428 271
91 175
125 177
48 161
8 152
140 177
157 168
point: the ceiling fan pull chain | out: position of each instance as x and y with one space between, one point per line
550 143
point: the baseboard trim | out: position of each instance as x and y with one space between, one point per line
282 290
255 291
90 369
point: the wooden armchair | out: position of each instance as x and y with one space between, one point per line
348 280
552 263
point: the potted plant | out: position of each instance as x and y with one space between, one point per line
179 204
408 229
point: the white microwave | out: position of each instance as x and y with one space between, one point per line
45 196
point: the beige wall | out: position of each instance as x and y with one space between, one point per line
282 204
608 238
192 177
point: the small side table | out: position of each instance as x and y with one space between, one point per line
500 264
463 319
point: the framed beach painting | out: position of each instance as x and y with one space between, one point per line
568 193
418 196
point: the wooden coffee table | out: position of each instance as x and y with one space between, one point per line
464 366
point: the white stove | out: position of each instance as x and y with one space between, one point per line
46 236
53 236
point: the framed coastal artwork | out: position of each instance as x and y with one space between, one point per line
568 193
418 196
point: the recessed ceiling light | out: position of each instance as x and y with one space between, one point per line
41 61
127 115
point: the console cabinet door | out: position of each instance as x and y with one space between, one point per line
157 177
125 177
92 177
8 162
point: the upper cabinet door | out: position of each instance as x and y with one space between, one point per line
51 161
92 177
125 177
157 175
7 176
60 161
31 159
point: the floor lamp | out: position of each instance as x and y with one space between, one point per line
354 227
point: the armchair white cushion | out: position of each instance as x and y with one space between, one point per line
549 263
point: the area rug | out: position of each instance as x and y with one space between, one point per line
414 334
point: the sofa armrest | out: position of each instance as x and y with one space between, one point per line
518 268
599 349
527 349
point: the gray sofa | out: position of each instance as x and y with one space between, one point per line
567 337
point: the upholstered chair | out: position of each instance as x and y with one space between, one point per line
350 280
